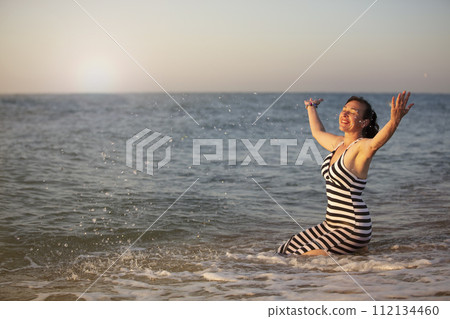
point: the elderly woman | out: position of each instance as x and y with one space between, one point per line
347 227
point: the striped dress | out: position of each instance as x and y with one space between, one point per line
347 226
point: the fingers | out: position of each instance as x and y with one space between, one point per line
402 99
399 99
407 97
401 103
311 101
317 101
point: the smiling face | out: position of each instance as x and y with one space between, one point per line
351 117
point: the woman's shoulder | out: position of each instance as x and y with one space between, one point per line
362 147
364 142
337 142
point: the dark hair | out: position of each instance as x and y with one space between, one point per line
372 129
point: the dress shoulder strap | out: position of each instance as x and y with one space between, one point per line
353 143
338 146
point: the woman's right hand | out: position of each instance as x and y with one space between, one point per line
312 102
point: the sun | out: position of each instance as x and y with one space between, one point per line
95 74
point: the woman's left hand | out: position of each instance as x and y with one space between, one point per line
398 106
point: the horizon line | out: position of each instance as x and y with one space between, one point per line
214 92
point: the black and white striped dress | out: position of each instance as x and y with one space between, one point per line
347 226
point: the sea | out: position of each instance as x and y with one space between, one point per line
237 175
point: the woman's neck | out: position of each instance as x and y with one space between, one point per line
349 138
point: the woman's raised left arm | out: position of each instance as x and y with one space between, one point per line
399 108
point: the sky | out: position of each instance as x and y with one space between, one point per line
52 46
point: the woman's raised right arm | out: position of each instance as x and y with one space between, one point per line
327 140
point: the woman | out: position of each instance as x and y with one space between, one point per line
347 228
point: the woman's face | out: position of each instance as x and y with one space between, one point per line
351 117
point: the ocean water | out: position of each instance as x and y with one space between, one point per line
70 206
